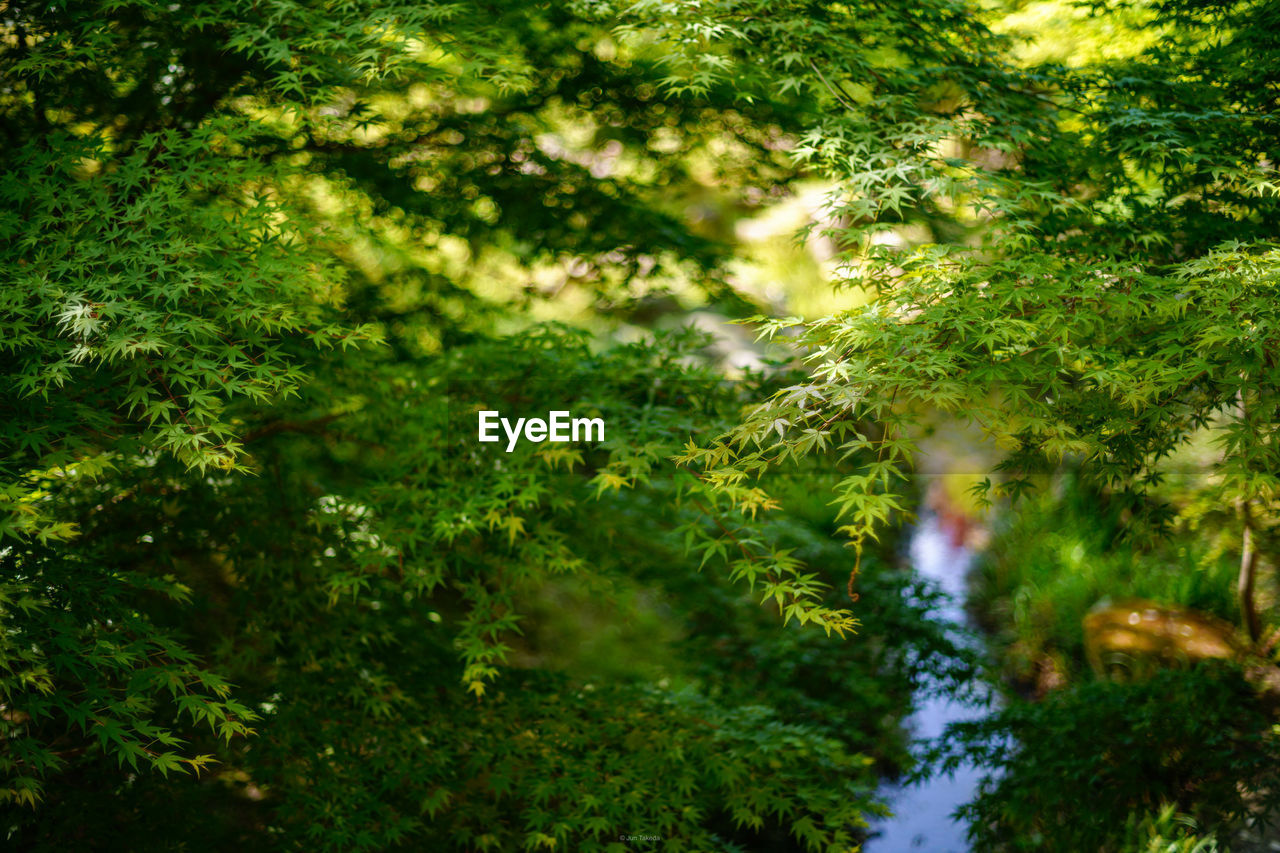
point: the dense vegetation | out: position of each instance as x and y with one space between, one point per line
263 264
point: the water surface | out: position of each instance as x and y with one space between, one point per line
922 812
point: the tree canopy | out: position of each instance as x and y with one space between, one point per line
263 263
1092 272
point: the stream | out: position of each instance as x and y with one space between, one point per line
922 821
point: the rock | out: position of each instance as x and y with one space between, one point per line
1134 636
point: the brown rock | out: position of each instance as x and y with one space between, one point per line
1134 636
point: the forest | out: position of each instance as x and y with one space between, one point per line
927 363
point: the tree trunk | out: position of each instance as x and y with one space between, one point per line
1248 575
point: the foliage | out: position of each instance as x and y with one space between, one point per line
352 632
261 587
1080 261
1065 551
263 263
1168 832
1198 740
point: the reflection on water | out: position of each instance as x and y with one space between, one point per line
922 813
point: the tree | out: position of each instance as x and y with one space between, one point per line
1082 260
1212 768
262 265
